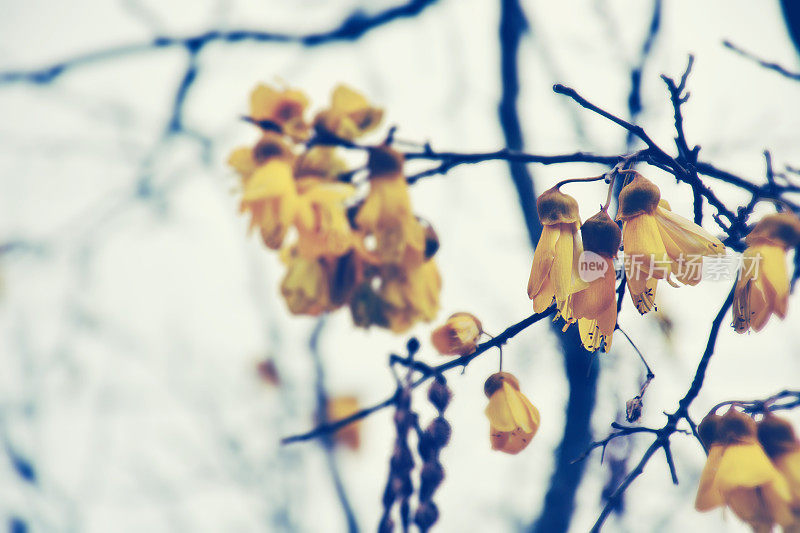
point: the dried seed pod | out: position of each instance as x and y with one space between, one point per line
439 430
439 394
427 514
431 477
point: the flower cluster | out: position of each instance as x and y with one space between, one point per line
340 246
577 272
752 468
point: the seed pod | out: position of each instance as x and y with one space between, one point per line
431 477
412 346
386 525
639 197
426 515
439 394
439 430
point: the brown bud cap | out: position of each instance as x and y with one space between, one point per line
495 383
601 235
383 162
782 229
555 207
777 436
708 430
470 316
639 197
270 146
735 427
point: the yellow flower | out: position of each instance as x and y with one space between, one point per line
513 420
321 220
458 336
554 272
763 285
271 197
595 307
341 407
306 285
319 162
783 448
658 243
284 109
410 294
386 213
349 116
740 475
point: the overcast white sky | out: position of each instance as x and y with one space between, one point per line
130 324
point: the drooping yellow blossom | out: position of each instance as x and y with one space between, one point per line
281 108
319 162
513 420
341 407
270 196
658 243
322 223
738 473
410 294
763 285
595 307
386 214
306 285
458 336
783 448
349 116
554 272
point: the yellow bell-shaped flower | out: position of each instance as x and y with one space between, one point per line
783 448
738 474
554 271
595 307
658 243
282 109
763 285
270 196
513 420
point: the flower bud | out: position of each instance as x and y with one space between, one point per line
782 229
639 197
555 207
601 235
